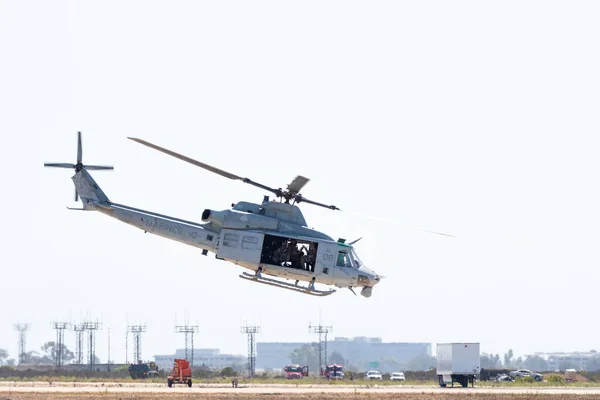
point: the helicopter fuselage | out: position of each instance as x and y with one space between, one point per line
253 239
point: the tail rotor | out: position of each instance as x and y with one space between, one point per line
79 165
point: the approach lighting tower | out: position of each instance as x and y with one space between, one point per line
22 329
322 331
251 331
60 342
78 329
137 341
91 328
189 331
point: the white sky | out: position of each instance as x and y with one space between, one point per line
474 118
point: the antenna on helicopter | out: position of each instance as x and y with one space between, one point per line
79 165
292 192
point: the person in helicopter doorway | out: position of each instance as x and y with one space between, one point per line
311 258
281 255
295 254
304 257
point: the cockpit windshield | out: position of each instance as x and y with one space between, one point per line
355 260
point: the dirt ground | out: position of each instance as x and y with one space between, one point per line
295 396
324 396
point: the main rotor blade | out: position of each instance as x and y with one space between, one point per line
79 148
206 166
403 225
428 231
300 198
297 184
98 167
59 165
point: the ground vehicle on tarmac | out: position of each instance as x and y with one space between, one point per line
374 375
143 370
458 362
523 373
295 371
397 376
181 373
333 371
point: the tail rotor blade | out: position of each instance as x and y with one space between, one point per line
79 148
78 167
59 165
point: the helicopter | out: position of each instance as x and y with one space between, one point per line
271 239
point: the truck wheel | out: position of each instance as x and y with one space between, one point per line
464 382
189 383
169 382
441 380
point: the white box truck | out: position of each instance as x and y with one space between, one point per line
458 362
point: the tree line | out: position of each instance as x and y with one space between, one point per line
48 354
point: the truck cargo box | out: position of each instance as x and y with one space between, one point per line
458 358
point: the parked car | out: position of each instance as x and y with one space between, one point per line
522 373
374 375
397 376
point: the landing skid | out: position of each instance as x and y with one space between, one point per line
285 285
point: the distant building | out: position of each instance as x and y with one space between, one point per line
587 361
211 358
275 355
361 352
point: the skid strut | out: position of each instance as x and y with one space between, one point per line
310 289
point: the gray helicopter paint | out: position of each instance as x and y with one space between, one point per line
274 209
191 234
210 237
88 188
241 246
291 220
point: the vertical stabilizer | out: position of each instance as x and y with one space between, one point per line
90 193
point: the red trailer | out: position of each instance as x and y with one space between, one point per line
181 373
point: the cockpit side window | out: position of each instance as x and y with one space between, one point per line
343 259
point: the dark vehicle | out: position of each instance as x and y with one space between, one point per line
143 370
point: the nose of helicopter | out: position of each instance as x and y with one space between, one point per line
372 276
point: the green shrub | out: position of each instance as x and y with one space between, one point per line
556 380
525 379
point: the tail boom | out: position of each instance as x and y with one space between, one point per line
190 233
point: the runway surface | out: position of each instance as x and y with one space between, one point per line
291 389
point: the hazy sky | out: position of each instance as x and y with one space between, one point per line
474 118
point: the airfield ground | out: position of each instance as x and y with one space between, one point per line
155 391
